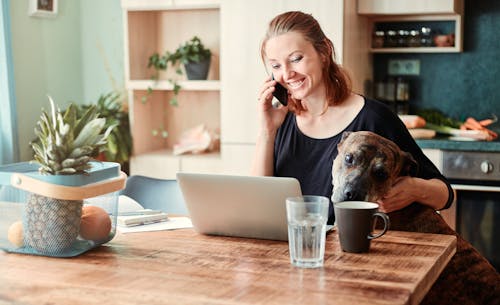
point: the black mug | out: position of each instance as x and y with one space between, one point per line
355 221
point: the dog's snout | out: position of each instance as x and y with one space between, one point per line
350 193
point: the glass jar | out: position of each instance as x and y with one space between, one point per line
402 38
402 96
378 39
391 40
414 39
425 37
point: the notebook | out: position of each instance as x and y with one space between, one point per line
241 206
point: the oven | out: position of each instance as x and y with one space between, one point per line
475 176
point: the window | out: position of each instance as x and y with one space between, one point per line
9 150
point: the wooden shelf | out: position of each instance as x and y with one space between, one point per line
163 164
157 26
456 19
191 85
409 7
416 50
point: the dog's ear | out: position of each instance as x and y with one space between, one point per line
410 166
345 135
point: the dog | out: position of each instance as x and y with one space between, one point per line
365 169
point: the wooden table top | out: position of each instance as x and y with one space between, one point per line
184 267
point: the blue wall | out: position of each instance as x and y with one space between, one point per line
460 84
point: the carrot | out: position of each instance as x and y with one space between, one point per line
488 122
472 123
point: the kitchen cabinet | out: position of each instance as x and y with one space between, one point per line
227 101
398 14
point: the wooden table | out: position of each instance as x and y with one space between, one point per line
184 267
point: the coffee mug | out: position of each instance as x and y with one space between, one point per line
355 221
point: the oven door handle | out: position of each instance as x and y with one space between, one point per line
477 188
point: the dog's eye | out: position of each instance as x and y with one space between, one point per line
380 174
349 158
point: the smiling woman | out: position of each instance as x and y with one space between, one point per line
8 139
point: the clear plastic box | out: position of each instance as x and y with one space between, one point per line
58 215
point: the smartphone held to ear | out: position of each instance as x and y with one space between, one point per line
280 93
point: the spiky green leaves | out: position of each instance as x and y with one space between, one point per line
67 144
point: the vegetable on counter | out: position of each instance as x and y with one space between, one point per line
436 117
469 129
473 124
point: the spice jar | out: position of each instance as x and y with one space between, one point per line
402 96
391 40
402 38
378 39
426 37
414 39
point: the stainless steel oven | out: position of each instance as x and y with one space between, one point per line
475 176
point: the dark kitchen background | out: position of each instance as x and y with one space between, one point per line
459 84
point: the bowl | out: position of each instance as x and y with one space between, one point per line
444 40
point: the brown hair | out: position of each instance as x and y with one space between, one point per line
337 81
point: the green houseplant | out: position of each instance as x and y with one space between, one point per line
195 58
118 147
65 146
192 54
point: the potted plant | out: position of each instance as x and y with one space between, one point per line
66 146
118 147
192 54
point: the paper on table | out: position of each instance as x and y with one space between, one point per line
172 224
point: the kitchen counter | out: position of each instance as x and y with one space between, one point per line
446 144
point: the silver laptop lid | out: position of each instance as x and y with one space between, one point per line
242 206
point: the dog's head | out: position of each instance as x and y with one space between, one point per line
366 166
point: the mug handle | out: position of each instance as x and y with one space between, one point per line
386 225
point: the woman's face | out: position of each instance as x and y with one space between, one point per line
295 63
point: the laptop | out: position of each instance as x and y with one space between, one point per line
239 206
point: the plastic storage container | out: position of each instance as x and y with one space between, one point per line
58 215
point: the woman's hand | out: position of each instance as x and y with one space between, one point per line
406 189
271 118
399 196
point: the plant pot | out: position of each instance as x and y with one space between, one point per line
198 70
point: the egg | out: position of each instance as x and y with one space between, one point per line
95 224
15 234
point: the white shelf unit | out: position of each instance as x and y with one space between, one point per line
158 26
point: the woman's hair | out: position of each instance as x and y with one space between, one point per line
337 82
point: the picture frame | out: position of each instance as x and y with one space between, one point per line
42 8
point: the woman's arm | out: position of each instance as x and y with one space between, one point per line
263 160
270 120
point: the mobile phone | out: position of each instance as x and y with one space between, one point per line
280 93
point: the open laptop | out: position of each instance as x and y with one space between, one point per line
242 206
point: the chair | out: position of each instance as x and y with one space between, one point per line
156 194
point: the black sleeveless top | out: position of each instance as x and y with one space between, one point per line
310 160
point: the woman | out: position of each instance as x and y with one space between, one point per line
300 140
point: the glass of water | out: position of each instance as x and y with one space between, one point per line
307 216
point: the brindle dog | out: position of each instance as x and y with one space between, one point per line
364 169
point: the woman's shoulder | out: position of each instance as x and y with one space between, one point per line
376 116
377 108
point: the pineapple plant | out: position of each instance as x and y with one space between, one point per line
65 146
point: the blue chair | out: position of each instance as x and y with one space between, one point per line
156 194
